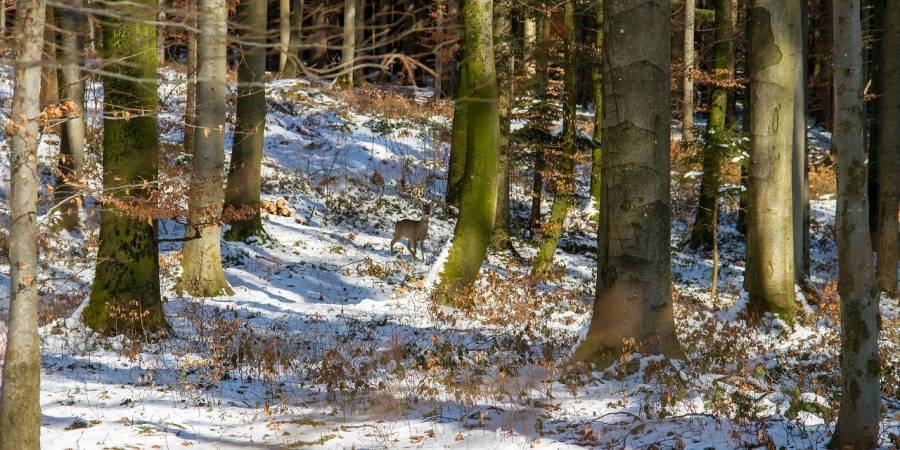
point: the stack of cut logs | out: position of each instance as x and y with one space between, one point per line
278 208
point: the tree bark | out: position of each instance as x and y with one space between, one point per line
540 92
889 161
458 139
858 418
799 162
284 34
687 114
70 165
244 186
477 202
125 294
702 235
769 275
505 65
597 88
348 44
565 167
201 258
876 68
20 416
190 107
295 42
634 290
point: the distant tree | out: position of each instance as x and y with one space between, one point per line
478 198
770 245
565 167
20 414
702 235
634 290
687 80
596 188
243 189
348 44
541 62
125 294
201 258
799 162
292 65
859 415
284 34
70 165
889 158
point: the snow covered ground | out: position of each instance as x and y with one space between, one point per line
331 341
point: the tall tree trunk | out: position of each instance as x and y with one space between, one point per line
360 43
49 78
770 228
243 189
876 68
505 66
161 32
529 34
72 132
284 33
540 91
858 418
295 42
565 166
458 139
634 290
889 161
348 44
597 85
20 416
441 31
687 114
201 258
799 164
125 293
190 107
716 137
478 200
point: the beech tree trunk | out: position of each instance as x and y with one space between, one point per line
348 44
477 203
702 235
284 34
295 42
889 158
20 416
72 132
634 290
597 90
770 274
190 107
458 139
243 189
505 66
687 113
125 294
799 162
201 258
565 167
859 415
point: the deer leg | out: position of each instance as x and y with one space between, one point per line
393 241
411 245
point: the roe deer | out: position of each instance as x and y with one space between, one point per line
415 232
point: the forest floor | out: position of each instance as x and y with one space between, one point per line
330 340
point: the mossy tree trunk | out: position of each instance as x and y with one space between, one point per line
505 65
20 416
540 93
859 415
458 139
243 189
597 90
716 136
889 158
770 274
565 167
477 203
201 258
634 290
125 294
72 132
